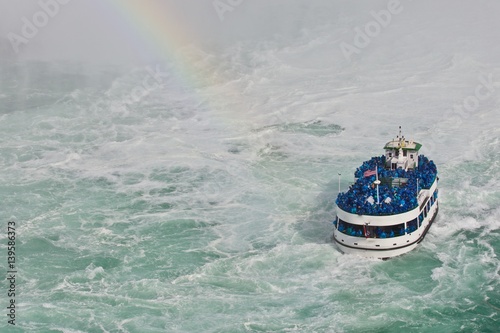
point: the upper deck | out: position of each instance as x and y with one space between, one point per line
400 182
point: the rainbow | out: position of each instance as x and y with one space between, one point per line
156 30
152 27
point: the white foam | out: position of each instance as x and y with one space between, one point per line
252 156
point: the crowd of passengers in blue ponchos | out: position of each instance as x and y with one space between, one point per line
401 199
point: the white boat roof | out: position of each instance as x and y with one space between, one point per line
403 144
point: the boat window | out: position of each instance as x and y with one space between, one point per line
411 226
387 232
351 229
371 231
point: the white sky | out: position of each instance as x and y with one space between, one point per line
80 32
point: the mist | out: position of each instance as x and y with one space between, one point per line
98 31
173 165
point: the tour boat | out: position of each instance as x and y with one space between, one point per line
391 205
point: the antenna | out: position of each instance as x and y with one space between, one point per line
401 138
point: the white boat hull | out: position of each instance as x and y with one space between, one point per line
383 248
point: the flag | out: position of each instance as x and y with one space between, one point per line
369 173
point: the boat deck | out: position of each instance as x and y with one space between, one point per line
397 192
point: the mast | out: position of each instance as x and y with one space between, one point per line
377 182
339 181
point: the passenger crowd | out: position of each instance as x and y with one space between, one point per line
361 198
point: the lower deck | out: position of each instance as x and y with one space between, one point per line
385 241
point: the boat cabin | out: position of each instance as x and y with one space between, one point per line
401 154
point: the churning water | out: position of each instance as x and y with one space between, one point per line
209 208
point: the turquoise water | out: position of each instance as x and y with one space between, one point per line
153 217
208 208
